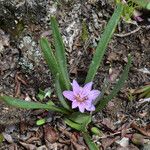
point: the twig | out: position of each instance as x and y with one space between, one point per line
129 33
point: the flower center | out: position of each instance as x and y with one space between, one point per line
79 99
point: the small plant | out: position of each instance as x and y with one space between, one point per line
43 94
143 3
82 97
131 7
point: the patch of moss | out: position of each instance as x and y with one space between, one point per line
18 29
85 33
1 138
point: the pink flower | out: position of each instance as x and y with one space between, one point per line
137 16
82 97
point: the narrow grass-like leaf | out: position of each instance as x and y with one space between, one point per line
105 38
144 92
59 93
103 102
31 105
143 3
89 142
60 54
49 56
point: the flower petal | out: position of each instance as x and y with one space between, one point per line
91 108
87 87
76 87
69 95
74 104
94 94
81 107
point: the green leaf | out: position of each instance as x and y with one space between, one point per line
97 131
43 94
59 94
73 125
30 105
48 92
60 54
143 3
49 56
89 142
81 120
145 92
103 102
41 121
102 45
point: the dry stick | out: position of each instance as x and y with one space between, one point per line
129 33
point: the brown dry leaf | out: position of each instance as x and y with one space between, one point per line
108 123
106 142
112 56
18 79
113 74
33 139
68 134
28 146
64 141
8 137
124 142
75 136
125 128
78 146
50 134
54 146
23 127
17 88
144 130
13 147
43 147
130 147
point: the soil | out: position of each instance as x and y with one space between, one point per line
23 70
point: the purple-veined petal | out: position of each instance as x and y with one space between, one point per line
81 108
87 87
91 108
74 104
89 105
76 87
69 95
93 94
